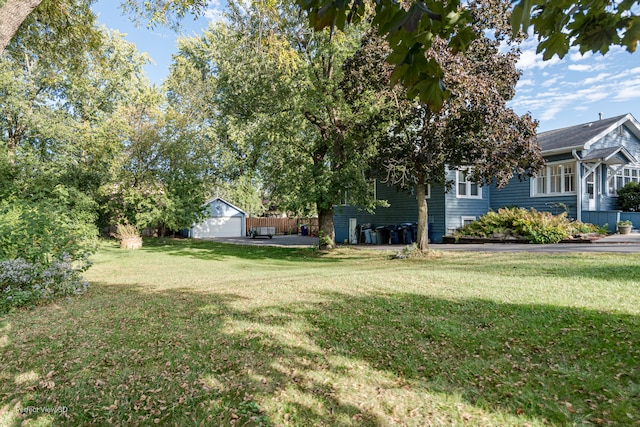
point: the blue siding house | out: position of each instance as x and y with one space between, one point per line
586 164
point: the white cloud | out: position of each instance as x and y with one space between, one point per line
577 56
530 60
579 67
526 82
550 113
600 78
551 82
590 95
628 93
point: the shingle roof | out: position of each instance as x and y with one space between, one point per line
575 136
605 154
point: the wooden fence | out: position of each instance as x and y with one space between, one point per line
284 225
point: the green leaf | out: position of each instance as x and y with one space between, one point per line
632 35
556 44
521 16
430 91
461 41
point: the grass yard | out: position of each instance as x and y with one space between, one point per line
201 333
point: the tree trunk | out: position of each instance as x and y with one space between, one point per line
12 14
12 148
325 225
423 211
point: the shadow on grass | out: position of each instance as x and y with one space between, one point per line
212 251
126 356
623 267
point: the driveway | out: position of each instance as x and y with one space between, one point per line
614 243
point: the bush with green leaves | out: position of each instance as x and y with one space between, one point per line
24 284
629 197
42 230
531 225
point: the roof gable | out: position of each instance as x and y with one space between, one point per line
610 155
215 200
581 136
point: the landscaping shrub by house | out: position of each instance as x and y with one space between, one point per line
629 197
529 225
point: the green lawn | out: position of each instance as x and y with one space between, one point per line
188 333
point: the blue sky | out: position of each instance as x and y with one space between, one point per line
558 93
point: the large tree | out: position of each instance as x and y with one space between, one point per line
317 146
280 100
475 133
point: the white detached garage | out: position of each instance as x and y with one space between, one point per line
223 220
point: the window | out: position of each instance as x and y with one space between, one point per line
466 188
372 189
556 178
620 178
466 220
344 199
591 185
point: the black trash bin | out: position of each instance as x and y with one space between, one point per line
383 234
393 234
304 229
407 234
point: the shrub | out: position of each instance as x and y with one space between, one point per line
531 225
629 197
41 231
24 284
126 231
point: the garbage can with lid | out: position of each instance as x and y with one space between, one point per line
394 238
304 229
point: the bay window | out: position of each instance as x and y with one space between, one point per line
554 179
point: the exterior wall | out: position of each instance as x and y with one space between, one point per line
218 207
634 217
607 202
403 208
518 193
613 139
459 207
602 218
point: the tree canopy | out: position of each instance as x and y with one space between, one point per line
409 27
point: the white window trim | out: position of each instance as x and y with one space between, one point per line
547 170
427 192
374 191
468 187
466 218
612 185
345 199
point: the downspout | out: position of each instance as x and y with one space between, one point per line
574 153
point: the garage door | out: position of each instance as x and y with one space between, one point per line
218 227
